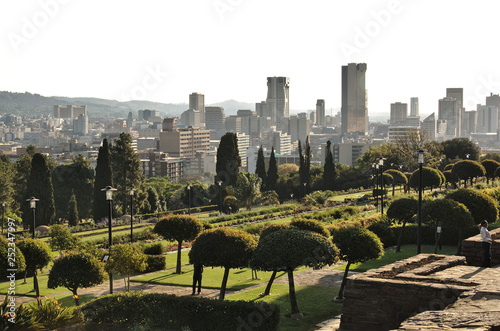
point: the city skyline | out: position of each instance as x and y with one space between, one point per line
226 49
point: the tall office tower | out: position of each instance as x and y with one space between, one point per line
69 111
215 121
354 99
197 102
458 94
414 107
399 112
183 142
448 111
493 100
320 112
81 125
278 99
299 127
261 109
191 117
487 119
429 126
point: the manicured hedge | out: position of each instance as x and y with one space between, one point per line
169 312
155 263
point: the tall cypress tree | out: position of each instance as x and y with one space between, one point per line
39 185
260 168
329 168
272 172
73 219
103 178
305 165
228 160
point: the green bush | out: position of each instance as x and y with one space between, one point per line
155 263
310 225
162 311
384 232
153 249
480 205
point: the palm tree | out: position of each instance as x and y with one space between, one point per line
247 189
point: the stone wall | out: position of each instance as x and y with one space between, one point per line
381 299
473 250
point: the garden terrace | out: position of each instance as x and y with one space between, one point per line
473 250
431 288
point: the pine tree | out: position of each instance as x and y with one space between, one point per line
39 185
73 219
272 172
228 160
260 168
127 172
103 178
329 168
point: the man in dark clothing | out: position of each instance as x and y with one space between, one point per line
197 273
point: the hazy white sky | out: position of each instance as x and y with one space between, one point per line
162 50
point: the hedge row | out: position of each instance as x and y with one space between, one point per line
169 312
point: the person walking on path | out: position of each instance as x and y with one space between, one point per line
197 273
486 243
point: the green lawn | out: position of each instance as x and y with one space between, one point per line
315 302
390 256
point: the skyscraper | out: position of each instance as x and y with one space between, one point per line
320 112
399 112
448 111
354 99
414 107
458 94
278 99
215 121
197 102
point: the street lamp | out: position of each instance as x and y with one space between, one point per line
131 193
304 189
3 214
109 198
291 196
419 218
467 155
220 196
32 202
158 209
377 182
381 165
189 199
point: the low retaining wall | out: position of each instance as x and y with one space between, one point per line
381 299
473 250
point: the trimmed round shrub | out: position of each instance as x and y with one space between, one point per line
155 263
270 228
480 205
310 225
384 232
153 249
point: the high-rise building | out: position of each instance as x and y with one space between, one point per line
299 127
399 112
281 142
69 111
278 99
458 94
487 119
320 112
448 111
354 99
191 117
493 100
183 142
429 126
414 107
261 109
197 102
233 124
215 121
81 125
243 144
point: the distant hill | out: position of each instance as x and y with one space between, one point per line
35 104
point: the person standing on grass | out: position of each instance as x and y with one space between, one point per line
486 243
197 273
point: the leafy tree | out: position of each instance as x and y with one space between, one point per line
22 170
6 180
73 219
127 171
103 178
430 178
126 260
466 169
260 168
179 228
39 185
490 166
272 172
75 270
223 247
448 213
402 210
491 156
310 225
153 198
79 178
20 262
287 249
397 178
287 169
247 189
480 205
329 168
61 239
228 160
356 245
413 141
460 148
37 256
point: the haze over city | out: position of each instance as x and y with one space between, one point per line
163 51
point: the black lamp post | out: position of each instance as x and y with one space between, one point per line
305 184
3 214
419 218
109 198
220 196
189 199
32 202
158 209
377 181
381 167
131 193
